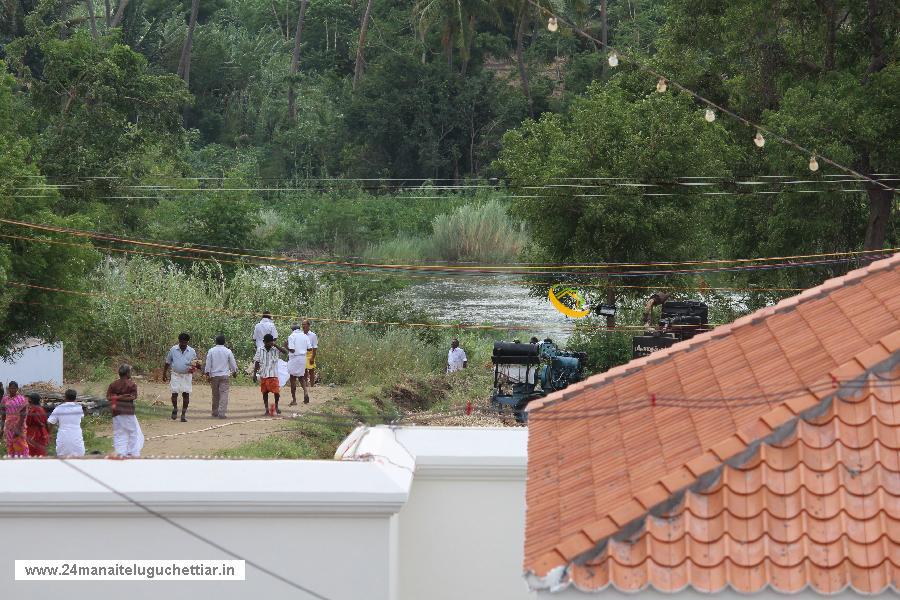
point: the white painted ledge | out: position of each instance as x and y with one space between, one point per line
189 487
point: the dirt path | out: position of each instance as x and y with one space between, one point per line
202 434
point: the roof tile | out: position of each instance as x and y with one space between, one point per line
703 464
574 545
891 342
728 448
628 512
777 417
677 480
599 530
815 507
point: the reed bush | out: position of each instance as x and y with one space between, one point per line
478 232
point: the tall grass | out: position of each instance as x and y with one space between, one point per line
480 232
483 233
143 305
400 249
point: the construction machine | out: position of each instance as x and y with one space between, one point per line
678 320
523 372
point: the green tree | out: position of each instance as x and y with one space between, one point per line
822 72
612 132
31 257
99 110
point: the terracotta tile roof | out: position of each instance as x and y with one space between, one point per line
762 453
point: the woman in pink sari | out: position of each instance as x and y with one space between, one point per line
15 408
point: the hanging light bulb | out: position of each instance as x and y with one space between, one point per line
710 115
552 24
759 140
661 85
613 59
813 163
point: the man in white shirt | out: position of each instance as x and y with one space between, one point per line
456 358
180 360
220 365
298 348
311 355
69 439
265 326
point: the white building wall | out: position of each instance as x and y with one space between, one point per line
340 558
35 362
326 525
462 538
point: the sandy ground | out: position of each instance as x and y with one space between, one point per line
202 434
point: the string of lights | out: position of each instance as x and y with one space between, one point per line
664 82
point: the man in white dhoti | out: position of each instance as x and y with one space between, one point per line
298 345
128 439
181 359
68 415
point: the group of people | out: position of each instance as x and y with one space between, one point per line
25 425
181 363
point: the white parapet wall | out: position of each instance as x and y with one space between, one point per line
325 525
406 513
33 361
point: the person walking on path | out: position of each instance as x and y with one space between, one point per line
182 360
266 326
68 415
298 346
265 362
36 425
220 366
311 354
15 431
128 439
456 358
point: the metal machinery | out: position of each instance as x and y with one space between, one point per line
523 372
679 320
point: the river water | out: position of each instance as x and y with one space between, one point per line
494 300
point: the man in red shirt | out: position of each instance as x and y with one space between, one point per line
128 439
36 425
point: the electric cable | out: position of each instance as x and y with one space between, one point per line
488 278
476 268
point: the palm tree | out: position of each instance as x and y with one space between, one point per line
363 30
295 60
184 64
456 20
